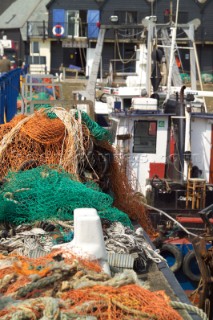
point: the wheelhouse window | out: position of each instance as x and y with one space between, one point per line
73 23
145 136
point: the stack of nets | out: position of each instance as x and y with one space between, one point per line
61 141
63 286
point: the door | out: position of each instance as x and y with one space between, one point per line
56 56
70 57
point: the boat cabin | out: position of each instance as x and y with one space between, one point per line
164 146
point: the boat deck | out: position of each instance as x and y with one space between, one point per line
160 277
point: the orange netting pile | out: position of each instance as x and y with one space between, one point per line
62 284
125 198
39 140
126 302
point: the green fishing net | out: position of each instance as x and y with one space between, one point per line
97 131
43 193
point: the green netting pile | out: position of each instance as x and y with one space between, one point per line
185 77
43 194
207 77
97 131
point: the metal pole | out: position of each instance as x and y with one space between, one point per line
174 33
171 12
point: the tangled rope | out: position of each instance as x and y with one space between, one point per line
121 239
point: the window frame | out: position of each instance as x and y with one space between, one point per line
35 49
75 25
146 141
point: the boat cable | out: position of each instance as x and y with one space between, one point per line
127 35
175 221
119 53
181 305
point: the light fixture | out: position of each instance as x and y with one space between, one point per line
113 18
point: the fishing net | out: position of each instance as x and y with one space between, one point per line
126 302
207 77
68 141
44 194
62 285
95 128
185 77
44 140
125 197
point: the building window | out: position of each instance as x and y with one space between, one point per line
183 17
126 17
73 23
145 136
35 47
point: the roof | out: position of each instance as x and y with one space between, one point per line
202 115
21 11
5 5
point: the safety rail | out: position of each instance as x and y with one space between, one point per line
9 90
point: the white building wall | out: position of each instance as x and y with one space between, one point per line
44 50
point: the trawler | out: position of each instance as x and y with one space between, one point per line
162 129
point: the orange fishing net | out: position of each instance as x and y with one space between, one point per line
126 302
40 140
22 268
125 197
44 130
78 287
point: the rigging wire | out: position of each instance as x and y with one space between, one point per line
172 219
119 53
127 35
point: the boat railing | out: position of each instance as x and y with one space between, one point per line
9 91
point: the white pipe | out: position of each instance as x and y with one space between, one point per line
199 72
187 139
196 93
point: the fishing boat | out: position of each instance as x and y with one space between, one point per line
160 125
163 131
